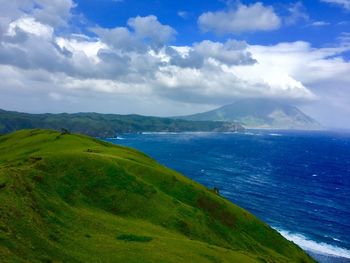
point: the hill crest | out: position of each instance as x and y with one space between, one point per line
73 198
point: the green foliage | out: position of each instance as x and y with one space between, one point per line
104 125
134 238
71 198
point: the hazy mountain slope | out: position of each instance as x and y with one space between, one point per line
105 125
72 198
259 113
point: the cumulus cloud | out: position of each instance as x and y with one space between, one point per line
136 67
297 12
150 28
50 12
323 70
245 18
299 59
231 52
343 3
133 60
29 25
119 38
142 33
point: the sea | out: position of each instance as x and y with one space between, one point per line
297 182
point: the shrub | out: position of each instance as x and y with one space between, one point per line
134 238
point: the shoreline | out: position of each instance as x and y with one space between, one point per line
326 258
321 252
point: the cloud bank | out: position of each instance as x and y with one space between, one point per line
137 67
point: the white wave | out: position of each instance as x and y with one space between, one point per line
275 134
321 248
115 138
158 133
253 134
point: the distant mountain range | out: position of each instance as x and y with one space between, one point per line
106 125
247 113
259 114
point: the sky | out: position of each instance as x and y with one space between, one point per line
174 57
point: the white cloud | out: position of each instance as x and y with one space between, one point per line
119 38
149 27
245 18
322 70
183 14
30 25
231 52
300 59
297 12
52 12
345 38
343 3
202 73
89 48
320 23
134 68
137 61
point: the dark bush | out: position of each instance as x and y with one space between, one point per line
134 238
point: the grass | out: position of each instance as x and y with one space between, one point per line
72 198
134 238
105 125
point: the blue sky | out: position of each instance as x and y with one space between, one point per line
109 13
175 57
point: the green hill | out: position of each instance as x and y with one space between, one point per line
260 114
72 198
105 125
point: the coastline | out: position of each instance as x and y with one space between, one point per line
321 252
325 258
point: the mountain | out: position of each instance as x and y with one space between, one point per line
261 114
105 125
72 198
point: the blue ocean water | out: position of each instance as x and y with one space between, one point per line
298 182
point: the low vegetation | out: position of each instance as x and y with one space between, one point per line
105 125
72 198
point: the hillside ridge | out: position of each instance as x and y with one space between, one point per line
72 198
106 125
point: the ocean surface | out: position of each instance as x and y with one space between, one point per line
298 182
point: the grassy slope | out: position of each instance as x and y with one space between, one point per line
71 198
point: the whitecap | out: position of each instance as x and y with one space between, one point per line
275 134
317 247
